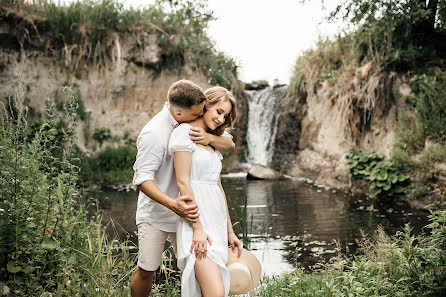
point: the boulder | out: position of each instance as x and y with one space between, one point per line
262 172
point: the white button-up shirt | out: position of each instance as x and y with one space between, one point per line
153 162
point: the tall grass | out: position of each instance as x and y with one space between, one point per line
47 243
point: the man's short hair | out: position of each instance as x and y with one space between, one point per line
185 93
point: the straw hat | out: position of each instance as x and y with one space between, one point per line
245 271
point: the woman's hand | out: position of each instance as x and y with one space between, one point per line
199 243
234 242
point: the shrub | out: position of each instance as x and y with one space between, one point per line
47 243
101 134
360 164
386 179
110 166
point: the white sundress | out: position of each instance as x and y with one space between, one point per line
205 171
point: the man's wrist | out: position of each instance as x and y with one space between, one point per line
170 203
211 138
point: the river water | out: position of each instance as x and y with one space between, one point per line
295 223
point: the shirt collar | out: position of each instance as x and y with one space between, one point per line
171 119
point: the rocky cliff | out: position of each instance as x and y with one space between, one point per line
321 123
121 95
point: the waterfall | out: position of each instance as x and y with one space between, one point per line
264 110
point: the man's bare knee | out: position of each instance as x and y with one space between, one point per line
144 274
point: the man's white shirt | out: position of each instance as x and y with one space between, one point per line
153 162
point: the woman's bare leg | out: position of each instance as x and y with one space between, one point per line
209 277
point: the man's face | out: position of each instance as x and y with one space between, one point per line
190 114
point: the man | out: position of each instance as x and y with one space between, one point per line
154 176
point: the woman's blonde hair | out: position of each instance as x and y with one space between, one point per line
219 94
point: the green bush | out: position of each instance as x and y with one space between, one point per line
386 179
47 243
110 166
360 164
101 134
430 104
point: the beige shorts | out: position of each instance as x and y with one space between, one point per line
151 242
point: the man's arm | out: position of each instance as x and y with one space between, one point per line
223 143
183 206
148 160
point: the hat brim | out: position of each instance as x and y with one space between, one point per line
252 263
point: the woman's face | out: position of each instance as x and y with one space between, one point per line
216 114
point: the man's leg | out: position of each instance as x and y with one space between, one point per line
151 246
141 282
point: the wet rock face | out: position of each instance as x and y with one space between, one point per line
288 134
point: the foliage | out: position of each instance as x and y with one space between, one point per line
110 166
360 164
101 134
400 35
430 104
386 178
421 134
400 265
88 30
245 224
47 243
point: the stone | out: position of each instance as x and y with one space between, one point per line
261 172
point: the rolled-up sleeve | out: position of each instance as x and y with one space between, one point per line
148 159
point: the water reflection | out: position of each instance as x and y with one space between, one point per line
294 224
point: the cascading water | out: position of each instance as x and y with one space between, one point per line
264 109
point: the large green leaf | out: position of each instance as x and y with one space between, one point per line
49 243
13 267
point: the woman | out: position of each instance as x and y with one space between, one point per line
202 247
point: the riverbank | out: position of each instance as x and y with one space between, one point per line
398 265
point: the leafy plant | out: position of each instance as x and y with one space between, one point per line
48 246
101 134
360 164
386 179
110 166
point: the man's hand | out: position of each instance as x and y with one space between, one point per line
186 207
199 136
234 243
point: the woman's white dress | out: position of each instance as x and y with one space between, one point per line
205 171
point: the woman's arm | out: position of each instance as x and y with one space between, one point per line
232 238
183 163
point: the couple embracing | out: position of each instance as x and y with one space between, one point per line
177 172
